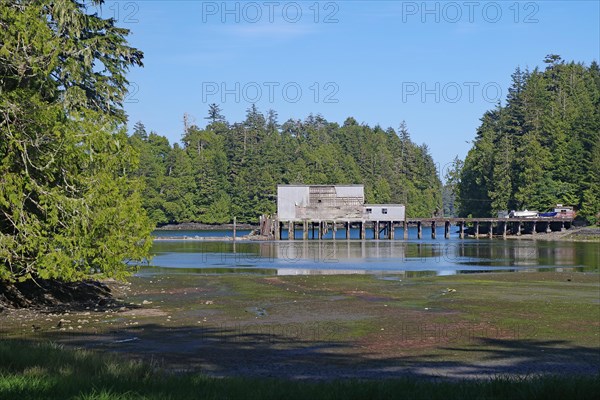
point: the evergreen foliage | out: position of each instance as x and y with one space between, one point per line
541 148
227 170
68 206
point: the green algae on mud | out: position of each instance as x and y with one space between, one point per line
338 326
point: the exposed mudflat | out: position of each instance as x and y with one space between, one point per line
581 234
323 327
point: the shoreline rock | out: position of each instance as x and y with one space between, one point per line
196 226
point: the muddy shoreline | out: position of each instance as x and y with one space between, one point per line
195 226
328 327
582 234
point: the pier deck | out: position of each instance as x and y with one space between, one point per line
476 227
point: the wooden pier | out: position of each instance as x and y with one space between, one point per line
474 227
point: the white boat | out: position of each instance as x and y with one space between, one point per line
523 214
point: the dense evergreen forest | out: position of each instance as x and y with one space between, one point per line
227 170
539 149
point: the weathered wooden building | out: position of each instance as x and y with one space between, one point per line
327 206
319 202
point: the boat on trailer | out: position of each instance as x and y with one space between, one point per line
523 214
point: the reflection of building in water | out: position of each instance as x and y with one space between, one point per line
526 255
299 271
333 251
565 255
383 275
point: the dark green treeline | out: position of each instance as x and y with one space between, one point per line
227 170
539 149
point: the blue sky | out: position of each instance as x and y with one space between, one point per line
436 65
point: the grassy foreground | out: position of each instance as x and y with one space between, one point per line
48 371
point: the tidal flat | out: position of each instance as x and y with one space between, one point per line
480 325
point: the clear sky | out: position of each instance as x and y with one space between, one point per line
436 65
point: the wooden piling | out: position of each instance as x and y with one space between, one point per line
419 230
447 230
433 229
234 228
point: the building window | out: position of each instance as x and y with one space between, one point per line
369 210
384 210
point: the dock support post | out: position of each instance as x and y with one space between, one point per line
348 230
476 226
376 230
504 226
290 230
433 229
519 228
548 228
405 230
362 230
461 230
491 231
533 228
235 228
305 230
278 230
320 230
562 226
391 230
419 230
447 230
333 229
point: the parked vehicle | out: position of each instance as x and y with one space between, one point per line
564 211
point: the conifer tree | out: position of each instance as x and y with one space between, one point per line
66 165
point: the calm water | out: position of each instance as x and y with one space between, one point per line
426 256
